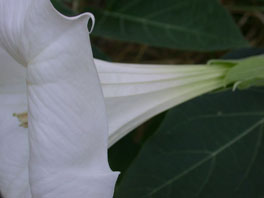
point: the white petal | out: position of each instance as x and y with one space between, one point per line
13 138
67 121
12 18
24 22
142 91
12 75
13 148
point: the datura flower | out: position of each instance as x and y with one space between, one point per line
63 153
68 115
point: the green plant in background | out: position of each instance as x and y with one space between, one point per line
208 147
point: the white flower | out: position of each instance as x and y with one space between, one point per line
63 153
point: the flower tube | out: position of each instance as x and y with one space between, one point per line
142 91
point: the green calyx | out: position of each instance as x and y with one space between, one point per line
243 73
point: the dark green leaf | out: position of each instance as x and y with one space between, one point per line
97 53
189 24
60 5
208 147
243 53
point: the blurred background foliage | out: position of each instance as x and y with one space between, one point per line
165 31
185 32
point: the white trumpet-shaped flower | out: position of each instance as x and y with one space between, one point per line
63 153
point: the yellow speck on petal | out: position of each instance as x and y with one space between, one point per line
23 118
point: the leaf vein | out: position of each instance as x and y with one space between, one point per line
209 157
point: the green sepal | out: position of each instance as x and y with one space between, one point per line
227 63
246 73
242 73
